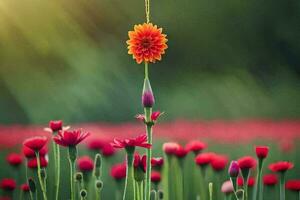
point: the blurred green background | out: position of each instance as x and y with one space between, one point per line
66 59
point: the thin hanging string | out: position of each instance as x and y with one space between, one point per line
147 9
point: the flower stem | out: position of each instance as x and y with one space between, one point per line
148 112
282 184
129 190
258 186
72 189
39 175
245 175
57 170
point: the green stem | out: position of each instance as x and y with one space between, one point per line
26 174
39 175
258 186
299 195
146 70
57 170
72 169
129 190
245 175
282 185
202 184
148 112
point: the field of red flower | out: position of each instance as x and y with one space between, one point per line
178 174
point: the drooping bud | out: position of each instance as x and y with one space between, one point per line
31 184
97 167
234 169
147 96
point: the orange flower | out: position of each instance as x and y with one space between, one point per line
146 43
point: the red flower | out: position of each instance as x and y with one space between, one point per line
204 159
32 163
251 181
170 148
227 187
108 150
146 43
246 162
293 185
140 141
14 159
25 187
219 162
30 153
140 162
195 146
234 169
262 151
35 143
155 177
95 144
85 164
118 171
181 152
55 125
8 184
5 198
270 179
157 162
70 138
281 166
154 116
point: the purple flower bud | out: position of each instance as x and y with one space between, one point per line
234 169
147 96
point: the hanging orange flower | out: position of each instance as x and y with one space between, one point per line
146 43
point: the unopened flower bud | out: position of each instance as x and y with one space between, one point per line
99 184
83 193
234 169
79 176
153 195
147 96
97 166
31 184
43 174
160 194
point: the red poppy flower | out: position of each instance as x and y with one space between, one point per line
30 153
14 159
96 144
35 143
204 159
246 162
251 181
195 146
146 43
155 177
154 116
108 150
140 162
32 163
56 125
227 187
70 138
118 171
25 187
262 151
157 162
234 169
8 184
181 152
170 148
293 185
85 164
219 162
270 179
281 166
140 141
